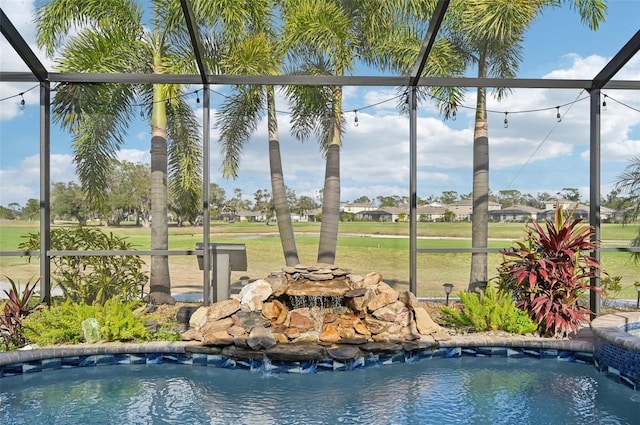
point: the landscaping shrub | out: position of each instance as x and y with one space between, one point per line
117 320
13 310
492 310
550 271
92 279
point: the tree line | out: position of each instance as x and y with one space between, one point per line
128 199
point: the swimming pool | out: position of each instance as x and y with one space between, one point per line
430 391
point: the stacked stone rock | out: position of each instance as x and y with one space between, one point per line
372 316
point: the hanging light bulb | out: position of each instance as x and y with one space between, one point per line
197 97
355 120
141 112
453 113
506 121
22 102
604 103
558 116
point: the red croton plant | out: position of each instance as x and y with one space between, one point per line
550 271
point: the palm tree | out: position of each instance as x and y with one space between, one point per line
489 34
238 117
113 37
629 182
329 37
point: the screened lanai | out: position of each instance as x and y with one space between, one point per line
205 79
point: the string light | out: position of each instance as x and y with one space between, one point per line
452 106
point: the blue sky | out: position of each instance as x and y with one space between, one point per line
534 154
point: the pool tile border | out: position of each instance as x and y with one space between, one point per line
617 352
190 353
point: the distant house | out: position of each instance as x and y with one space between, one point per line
581 210
314 214
388 214
247 215
516 213
464 209
358 207
431 213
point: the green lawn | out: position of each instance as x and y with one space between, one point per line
362 246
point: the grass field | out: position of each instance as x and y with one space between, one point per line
362 246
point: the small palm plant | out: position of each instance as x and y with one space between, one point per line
550 272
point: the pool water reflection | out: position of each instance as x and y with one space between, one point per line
434 391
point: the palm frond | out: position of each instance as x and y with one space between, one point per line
57 18
237 120
185 155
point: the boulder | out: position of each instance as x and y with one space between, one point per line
223 309
260 338
254 294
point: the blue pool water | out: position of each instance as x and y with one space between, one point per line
435 391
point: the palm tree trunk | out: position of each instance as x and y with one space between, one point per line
283 214
480 212
160 281
331 194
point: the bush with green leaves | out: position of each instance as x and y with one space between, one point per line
491 310
96 278
611 287
117 320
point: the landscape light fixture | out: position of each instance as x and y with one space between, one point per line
638 301
448 288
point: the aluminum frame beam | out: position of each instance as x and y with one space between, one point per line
414 79
309 80
22 48
617 62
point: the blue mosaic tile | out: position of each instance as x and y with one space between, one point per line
412 357
426 354
531 353
308 367
154 359
548 354
357 364
567 356
87 361
137 359
469 352
31 367
372 360
218 360
243 364
199 359
47 364
286 367
515 353
453 352
122 358
340 365
73 361
169 358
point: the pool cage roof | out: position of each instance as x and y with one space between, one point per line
40 74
